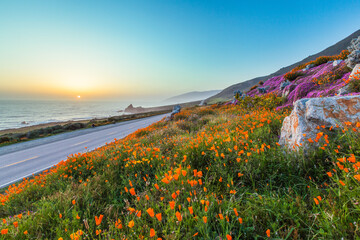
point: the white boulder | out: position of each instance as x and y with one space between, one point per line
336 62
355 74
300 127
354 56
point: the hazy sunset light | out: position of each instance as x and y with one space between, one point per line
134 49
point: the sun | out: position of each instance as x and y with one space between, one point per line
78 96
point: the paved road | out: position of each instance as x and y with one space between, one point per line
24 159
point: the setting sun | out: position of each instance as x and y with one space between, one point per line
78 96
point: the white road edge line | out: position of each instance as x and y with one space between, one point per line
80 143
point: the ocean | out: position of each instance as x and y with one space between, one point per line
21 113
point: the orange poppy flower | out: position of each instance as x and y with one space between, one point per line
178 216
150 211
131 224
132 191
191 210
98 219
152 232
172 204
236 212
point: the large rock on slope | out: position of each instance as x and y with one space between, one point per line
354 56
301 125
355 74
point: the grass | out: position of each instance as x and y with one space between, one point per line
215 172
217 100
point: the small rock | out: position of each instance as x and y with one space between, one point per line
284 84
309 66
263 89
288 89
337 62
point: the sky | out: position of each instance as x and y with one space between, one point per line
154 49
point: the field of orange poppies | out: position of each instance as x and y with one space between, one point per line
214 172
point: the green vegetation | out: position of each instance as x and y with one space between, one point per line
214 172
323 59
291 76
354 85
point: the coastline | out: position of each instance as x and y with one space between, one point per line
28 133
39 126
17 135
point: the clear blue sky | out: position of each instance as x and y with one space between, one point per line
155 49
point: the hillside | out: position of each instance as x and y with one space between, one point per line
192 96
335 49
322 80
213 172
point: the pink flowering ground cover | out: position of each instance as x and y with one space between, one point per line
322 81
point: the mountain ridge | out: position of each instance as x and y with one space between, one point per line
192 96
334 49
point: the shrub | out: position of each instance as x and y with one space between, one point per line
180 116
185 125
354 85
206 111
74 126
268 100
253 87
33 134
320 60
291 76
4 139
19 135
261 83
58 131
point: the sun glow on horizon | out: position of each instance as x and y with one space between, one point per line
78 96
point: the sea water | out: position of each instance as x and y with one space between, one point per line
21 113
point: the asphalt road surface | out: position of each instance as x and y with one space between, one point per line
21 160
